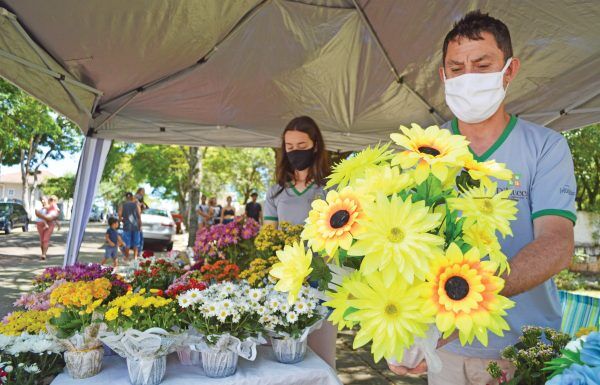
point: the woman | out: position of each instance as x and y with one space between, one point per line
228 212
45 222
302 167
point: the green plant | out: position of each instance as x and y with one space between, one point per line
568 280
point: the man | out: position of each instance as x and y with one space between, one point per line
478 66
215 211
203 211
254 209
139 196
130 215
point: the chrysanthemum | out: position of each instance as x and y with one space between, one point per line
483 171
357 165
432 150
462 292
338 301
390 316
292 270
385 179
333 223
396 238
482 205
487 243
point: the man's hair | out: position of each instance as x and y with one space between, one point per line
112 221
254 194
472 25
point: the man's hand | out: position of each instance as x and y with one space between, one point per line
421 368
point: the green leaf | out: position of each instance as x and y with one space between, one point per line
320 273
349 311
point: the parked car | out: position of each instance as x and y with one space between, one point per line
12 216
158 226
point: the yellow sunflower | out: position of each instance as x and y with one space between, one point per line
483 171
432 150
357 165
333 223
487 243
482 205
385 179
390 316
338 301
396 238
292 270
462 293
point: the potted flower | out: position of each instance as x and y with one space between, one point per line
156 274
143 328
76 324
228 321
290 324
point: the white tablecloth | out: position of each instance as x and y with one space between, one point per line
263 371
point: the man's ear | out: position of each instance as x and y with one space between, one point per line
441 72
512 70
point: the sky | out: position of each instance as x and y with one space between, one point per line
68 165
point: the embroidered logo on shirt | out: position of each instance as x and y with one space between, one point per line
515 181
566 189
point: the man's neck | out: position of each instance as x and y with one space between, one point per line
484 134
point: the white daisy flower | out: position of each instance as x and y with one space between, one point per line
292 317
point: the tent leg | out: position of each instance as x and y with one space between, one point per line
89 172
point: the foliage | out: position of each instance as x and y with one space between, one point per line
63 187
535 347
585 148
118 176
567 280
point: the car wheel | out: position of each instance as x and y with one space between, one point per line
26 227
169 246
8 228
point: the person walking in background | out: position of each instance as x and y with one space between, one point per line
228 212
130 214
45 222
203 211
254 209
139 196
113 241
215 212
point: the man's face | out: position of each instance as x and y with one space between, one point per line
476 56
115 225
203 200
254 198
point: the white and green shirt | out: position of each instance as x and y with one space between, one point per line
543 184
291 205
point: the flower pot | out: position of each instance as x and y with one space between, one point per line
84 363
289 350
146 371
218 364
188 356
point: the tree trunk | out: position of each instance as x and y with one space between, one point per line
195 177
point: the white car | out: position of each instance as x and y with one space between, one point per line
158 227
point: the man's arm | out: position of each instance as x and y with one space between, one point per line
550 252
139 211
120 213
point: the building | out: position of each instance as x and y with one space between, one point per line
11 186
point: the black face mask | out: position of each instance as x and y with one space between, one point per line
301 159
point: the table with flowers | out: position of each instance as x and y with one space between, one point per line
265 370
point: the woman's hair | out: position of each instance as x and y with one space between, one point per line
320 168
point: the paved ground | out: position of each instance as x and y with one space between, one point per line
19 263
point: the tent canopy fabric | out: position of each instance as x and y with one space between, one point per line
234 72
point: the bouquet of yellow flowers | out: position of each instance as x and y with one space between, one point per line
257 274
408 239
18 322
271 239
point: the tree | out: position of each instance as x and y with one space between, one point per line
118 176
585 148
244 169
37 134
63 187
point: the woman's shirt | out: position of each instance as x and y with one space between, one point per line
42 211
291 205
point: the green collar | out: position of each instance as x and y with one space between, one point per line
483 157
303 191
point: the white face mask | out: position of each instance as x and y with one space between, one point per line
475 97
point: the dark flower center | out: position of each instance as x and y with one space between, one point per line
457 288
339 219
429 151
391 309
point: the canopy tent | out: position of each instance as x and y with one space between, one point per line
233 72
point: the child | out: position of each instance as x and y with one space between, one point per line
113 241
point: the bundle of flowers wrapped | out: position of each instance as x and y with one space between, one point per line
257 273
29 359
75 273
75 322
143 328
220 271
270 239
416 230
233 241
227 316
156 274
289 325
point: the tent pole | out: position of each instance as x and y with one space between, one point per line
399 79
573 106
